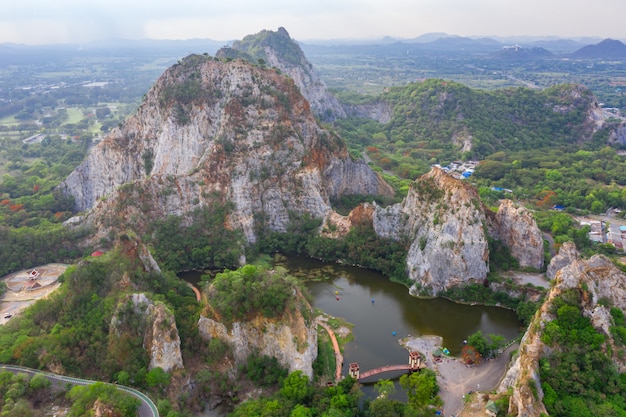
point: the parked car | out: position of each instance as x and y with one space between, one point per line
8 315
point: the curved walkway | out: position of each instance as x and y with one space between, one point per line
147 408
338 356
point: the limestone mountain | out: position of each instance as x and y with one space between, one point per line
278 50
277 322
443 219
447 230
209 131
449 120
237 135
516 228
593 288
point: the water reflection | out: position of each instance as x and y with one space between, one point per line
394 310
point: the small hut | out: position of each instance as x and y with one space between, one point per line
491 409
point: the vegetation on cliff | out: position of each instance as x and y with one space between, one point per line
252 48
69 331
200 242
432 119
578 377
250 291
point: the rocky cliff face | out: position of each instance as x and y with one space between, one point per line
443 219
595 279
290 340
158 327
278 50
516 228
618 136
567 254
219 130
380 110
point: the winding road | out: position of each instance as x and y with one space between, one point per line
147 408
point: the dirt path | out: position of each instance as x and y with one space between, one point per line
338 355
195 291
456 379
522 278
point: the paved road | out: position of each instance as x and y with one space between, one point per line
147 408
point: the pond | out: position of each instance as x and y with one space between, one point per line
393 310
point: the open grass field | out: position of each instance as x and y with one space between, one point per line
9 121
74 115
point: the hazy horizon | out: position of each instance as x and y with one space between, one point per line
41 22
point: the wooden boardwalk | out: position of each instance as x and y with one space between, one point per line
382 369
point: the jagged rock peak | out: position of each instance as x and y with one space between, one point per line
443 220
567 254
277 49
290 337
516 228
157 326
210 128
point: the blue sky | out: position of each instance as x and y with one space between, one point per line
77 21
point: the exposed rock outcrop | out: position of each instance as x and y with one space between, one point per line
157 327
278 50
595 279
567 254
443 219
516 228
289 339
380 110
618 136
226 130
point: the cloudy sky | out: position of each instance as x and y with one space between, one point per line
62 21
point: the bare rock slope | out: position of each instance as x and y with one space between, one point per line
277 49
212 130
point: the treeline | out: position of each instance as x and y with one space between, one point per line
432 119
250 291
588 180
361 246
22 396
198 242
297 397
26 247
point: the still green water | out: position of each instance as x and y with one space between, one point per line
393 310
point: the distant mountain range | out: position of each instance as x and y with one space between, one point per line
607 49
518 47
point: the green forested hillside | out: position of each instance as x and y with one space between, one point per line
538 143
432 118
